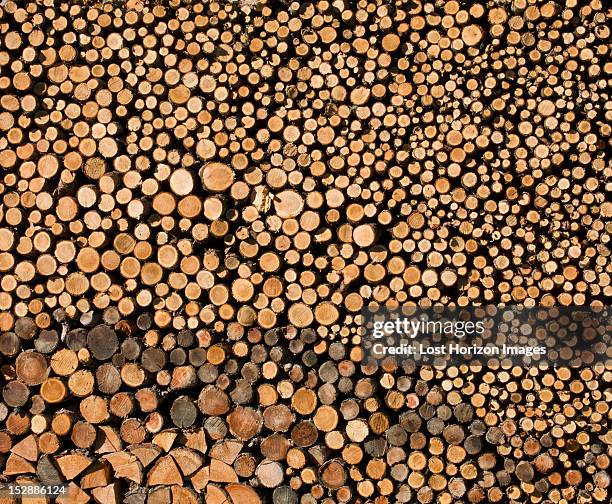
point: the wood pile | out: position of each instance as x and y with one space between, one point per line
197 198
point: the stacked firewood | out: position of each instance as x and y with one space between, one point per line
197 199
120 413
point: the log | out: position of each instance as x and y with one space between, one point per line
164 472
72 465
